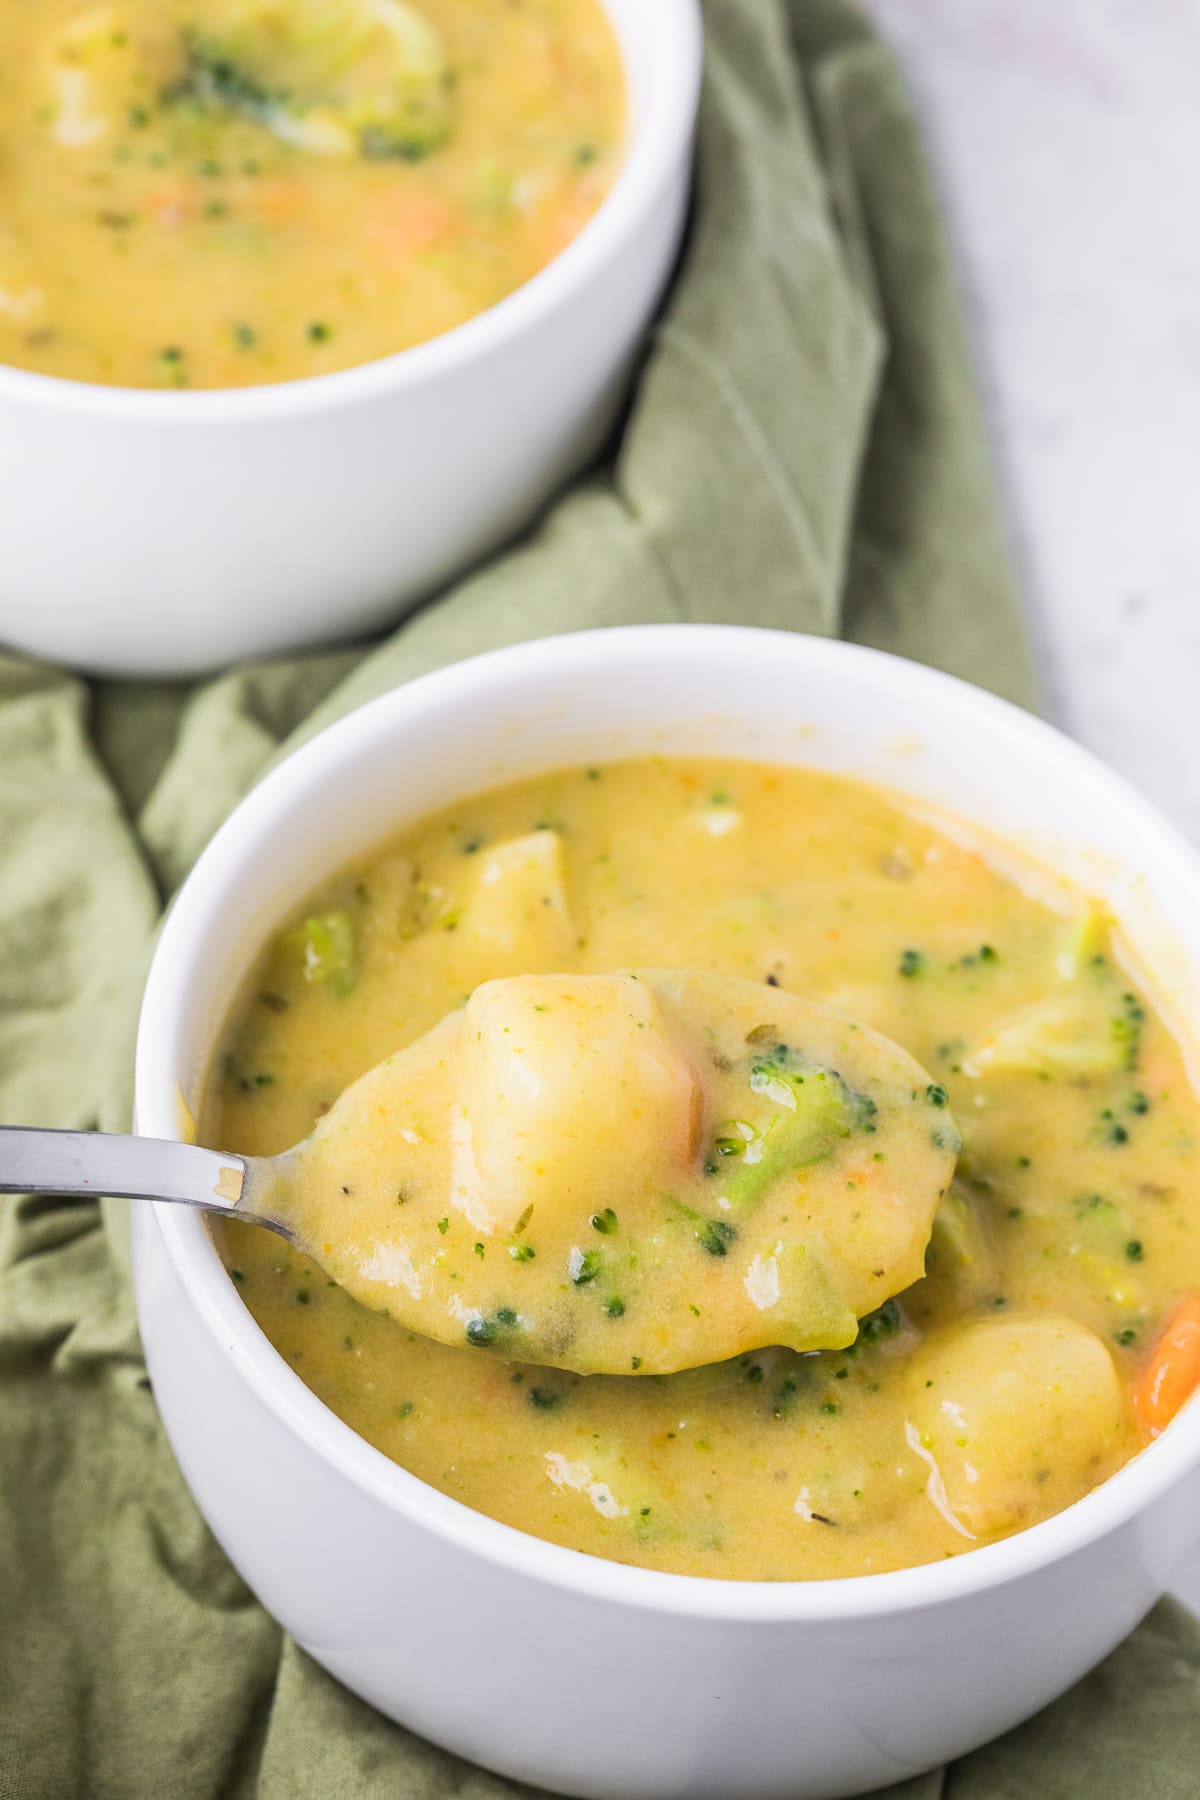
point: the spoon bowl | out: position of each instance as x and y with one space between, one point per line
624 1174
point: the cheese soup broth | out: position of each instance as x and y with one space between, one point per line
986 1396
221 193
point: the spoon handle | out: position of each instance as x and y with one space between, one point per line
92 1162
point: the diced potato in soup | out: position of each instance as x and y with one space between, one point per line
1007 1414
1039 1319
220 193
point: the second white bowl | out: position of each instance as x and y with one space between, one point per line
167 533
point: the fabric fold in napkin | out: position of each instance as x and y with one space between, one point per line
802 451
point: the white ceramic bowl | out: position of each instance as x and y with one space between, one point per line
555 1667
168 533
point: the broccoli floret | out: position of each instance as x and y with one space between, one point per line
337 80
816 1110
328 947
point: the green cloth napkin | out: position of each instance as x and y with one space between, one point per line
803 451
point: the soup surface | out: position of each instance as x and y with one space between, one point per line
220 193
1024 1366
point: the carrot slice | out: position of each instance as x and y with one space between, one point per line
1173 1373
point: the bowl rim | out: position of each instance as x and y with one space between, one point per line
240 1340
659 140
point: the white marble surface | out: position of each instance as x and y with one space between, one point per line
1066 141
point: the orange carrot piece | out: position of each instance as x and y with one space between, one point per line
277 200
1172 1375
170 202
417 225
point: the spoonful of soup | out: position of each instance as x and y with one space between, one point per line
628 1174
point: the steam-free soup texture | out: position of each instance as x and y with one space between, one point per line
218 193
1052 1332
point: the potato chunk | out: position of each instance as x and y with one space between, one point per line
517 912
1013 1418
90 67
575 1093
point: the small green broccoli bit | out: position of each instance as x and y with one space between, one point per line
214 78
1126 1028
816 1111
483 1331
884 1322
715 1236
586 1267
328 944
1088 943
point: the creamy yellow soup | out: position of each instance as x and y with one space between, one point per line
638 1172
1049 1335
219 193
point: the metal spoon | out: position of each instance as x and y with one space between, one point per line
89 1163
